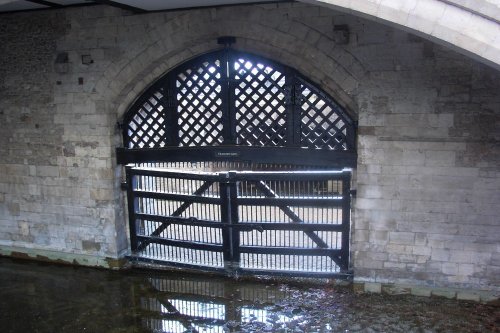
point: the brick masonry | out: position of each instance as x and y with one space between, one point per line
427 181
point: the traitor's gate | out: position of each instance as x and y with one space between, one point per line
238 164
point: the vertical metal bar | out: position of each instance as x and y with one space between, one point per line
132 207
225 214
228 112
157 202
235 232
229 215
290 107
171 115
346 207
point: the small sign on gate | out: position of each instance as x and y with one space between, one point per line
225 154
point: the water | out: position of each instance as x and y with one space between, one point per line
36 297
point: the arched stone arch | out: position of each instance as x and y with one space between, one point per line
471 28
228 97
330 66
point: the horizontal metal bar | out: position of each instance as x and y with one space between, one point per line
289 250
243 225
291 175
283 155
178 243
177 197
317 275
343 275
174 264
288 226
303 202
168 173
180 220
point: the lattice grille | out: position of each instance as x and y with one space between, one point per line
228 97
146 128
200 105
321 125
260 104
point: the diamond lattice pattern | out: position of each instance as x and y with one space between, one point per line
146 128
260 104
321 125
199 105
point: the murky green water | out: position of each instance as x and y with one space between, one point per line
38 297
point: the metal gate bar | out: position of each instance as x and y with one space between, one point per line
285 223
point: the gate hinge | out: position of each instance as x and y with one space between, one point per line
124 186
353 193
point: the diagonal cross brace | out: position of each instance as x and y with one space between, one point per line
262 186
295 218
185 205
172 309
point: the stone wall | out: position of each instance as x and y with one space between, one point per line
57 182
427 178
428 183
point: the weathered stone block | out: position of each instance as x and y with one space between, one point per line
406 238
440 255
450 268
14 208
447 293
392 289
47 171
373 287
422 250
91 246
421 291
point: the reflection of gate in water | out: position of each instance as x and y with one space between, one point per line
190 305
251 222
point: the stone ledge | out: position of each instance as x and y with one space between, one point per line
483 296
62 257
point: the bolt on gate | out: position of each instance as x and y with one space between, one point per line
293 223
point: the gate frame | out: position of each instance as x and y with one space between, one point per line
229 203
294 152
263 155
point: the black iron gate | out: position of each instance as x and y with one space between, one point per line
231 107
241 222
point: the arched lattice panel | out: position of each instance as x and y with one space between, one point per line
323 123
199 104
260 103
146 127
229 98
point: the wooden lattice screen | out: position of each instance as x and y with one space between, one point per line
229 98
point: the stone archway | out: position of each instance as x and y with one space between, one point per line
471 28
229 111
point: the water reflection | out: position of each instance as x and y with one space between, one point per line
43 298
184 304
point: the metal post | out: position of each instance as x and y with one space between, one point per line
225 212
346 219
235 232
229 215
132 207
